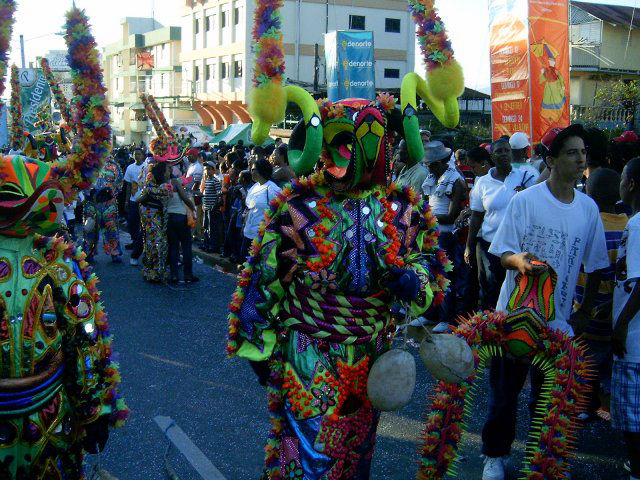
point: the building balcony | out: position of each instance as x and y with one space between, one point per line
586 56
139 126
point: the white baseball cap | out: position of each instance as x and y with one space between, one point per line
519 140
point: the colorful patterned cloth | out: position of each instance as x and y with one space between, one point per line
55 345
154 231
322 327
105 217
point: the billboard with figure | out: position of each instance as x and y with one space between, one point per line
36 97
4 134
350 65
529 54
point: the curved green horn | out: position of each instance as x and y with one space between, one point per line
303 161
446 84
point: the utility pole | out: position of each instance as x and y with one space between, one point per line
326 17
316 69
22 49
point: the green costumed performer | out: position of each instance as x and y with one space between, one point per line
312 308
58 383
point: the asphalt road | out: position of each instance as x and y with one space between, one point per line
170 343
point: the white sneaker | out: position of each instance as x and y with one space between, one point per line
442 327
493 468
133 261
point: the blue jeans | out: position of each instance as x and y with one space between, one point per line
491 275
506 379
133 223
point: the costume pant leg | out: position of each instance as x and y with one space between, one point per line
90 244
135 230
506 379
184 232
110 229
447 311
491 275
173 237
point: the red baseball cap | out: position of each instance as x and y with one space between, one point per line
193 152
627 137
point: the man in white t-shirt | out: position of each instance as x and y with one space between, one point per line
133 179
625 381
556 224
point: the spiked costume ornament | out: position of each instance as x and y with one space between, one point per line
57 378
312 307
522 333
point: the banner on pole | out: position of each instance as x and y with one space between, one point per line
508 47
549 58
350 65
529 52
4 133
35 96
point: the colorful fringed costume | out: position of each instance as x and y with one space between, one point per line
338 247
521 332
102 209
58 383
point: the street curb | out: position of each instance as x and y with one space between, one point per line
216 260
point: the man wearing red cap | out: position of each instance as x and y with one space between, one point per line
554 223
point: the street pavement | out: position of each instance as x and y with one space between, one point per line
170 343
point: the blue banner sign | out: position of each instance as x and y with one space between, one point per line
349 58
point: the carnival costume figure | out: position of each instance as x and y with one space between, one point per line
155 195
101 213
58 383
312 308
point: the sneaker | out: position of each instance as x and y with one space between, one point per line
173 281
192 279
133 261
116 259
442 327
584 417
493 468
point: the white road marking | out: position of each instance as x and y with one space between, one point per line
166 360
192 453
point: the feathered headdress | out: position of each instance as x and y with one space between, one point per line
164 147
92 143
15 109
7 9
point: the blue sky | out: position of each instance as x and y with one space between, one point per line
466 21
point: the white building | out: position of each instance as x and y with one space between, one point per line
144 60
217 57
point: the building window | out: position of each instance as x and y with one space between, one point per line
391 73
196 27
223 70
236 16
207 24
207 72
237 68
223 19
196 74
356 22
392 25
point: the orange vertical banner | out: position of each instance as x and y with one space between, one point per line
549 57
509 56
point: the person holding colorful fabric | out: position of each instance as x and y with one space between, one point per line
554 223
625 381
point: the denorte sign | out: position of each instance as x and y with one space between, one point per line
350 65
